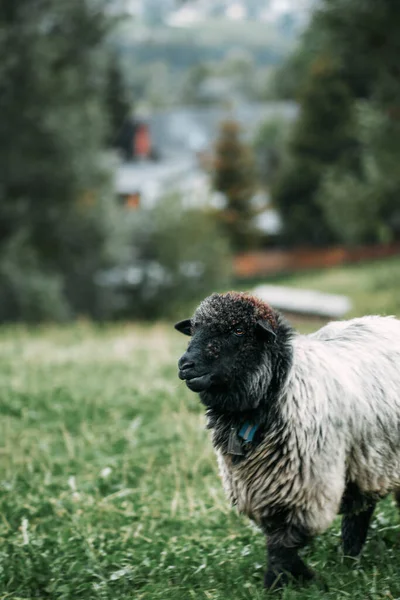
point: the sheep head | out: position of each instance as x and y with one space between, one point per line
230 358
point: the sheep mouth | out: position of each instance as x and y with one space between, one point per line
200 383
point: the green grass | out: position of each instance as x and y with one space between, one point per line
108 482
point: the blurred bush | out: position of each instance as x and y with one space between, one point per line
26 291
63 286
179 256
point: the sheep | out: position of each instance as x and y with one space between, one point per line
305 427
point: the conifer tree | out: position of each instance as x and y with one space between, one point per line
340 181
234 176
323 135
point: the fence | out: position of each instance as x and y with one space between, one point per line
272 262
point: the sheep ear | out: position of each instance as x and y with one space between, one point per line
184 327
265 330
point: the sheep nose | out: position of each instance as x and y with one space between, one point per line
185 364
186 361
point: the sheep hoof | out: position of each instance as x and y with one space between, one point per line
352 550
275 579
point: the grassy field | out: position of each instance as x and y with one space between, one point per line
109 487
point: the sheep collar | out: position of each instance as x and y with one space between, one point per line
246 433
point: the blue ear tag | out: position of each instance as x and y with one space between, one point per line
247 432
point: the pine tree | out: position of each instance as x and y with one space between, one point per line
322 136
365 38
342 165
234 176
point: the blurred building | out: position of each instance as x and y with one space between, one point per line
144 183
171 152
134 141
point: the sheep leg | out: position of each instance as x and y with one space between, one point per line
355 530
284 561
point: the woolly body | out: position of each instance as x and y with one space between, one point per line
339 422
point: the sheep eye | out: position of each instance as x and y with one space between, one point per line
239 331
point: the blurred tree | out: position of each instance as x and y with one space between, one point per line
362 206
269 146
58 217
322 136
365 38
355 198
118 103
289 77
234 176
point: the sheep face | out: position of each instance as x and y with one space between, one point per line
232 343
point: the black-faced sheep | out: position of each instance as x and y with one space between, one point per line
304 426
